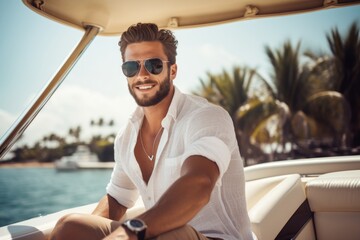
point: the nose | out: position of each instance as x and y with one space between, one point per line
143 73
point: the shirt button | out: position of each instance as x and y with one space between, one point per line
149 198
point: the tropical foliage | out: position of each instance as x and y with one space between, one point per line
305 109
346 74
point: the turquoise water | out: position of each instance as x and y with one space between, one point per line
31 192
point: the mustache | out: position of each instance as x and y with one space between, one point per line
149 81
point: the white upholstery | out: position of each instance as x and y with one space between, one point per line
308 232
335 200
38 228
271 203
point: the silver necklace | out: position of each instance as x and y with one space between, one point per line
150 157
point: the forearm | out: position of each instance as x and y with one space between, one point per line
179 204
108 207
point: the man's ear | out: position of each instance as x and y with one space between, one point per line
173 71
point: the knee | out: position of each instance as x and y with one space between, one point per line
67 226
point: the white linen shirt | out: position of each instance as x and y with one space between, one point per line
192 126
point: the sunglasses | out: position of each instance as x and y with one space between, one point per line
153 66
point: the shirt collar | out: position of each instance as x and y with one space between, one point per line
175 104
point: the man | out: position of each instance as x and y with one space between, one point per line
177 151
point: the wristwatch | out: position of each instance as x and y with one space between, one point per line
136 226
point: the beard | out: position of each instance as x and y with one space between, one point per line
158 97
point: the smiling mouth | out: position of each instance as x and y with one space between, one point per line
144 87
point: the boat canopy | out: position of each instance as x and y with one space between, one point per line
115 16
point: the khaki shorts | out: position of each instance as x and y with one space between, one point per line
91 227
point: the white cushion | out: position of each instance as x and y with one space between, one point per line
334 192
335 200
271 203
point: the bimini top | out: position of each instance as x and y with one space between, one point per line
115 16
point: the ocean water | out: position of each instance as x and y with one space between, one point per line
31 192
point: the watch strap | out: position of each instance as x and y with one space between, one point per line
141 234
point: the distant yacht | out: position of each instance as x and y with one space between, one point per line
82 158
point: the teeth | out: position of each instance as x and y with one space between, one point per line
144 87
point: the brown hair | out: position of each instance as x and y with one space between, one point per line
142 32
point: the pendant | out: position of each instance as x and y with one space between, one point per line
151 157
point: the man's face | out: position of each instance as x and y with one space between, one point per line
146 88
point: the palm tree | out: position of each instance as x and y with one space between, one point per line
45 139
101 122
310 101
346 75
262 126
75 132
233 90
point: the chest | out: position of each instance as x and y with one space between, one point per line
145 152
169 151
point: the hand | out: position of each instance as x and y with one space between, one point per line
121 234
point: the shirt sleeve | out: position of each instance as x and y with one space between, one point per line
120 186
211 134
213 149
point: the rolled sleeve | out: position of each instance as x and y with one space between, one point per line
210 134
213 149
122 188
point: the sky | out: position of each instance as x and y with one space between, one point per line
33 49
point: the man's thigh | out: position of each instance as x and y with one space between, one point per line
91 227
83 226
185 232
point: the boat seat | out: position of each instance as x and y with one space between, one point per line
272 202
335 200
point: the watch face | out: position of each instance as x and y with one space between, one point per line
136 223
137 226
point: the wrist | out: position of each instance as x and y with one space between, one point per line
130 234
136 227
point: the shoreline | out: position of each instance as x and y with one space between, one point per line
27 165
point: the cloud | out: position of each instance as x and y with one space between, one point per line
205 58
6 120
72 106
217 57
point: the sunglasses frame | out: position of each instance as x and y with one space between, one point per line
143 62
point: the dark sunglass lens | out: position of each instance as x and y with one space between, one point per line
154 65
130 68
